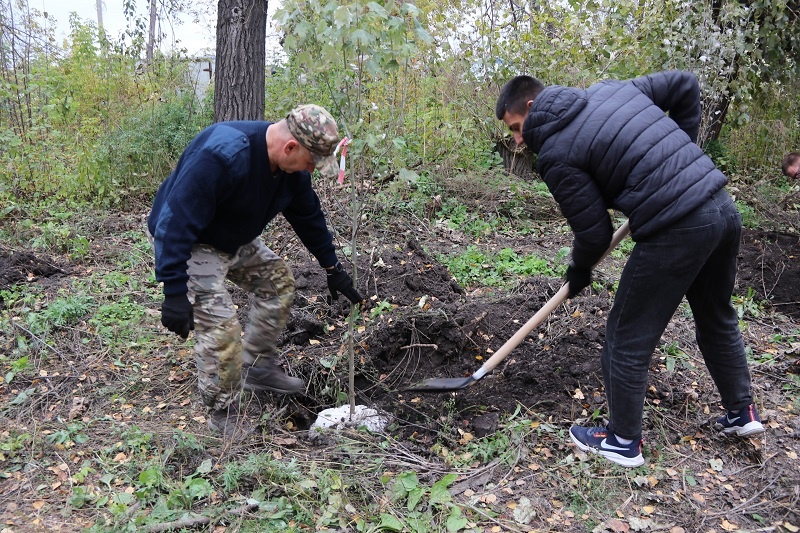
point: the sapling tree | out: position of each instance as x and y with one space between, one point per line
357 53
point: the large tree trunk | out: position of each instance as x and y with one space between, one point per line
241 60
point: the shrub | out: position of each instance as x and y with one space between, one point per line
135 158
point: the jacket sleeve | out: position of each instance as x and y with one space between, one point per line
583 206
677 93
305 215
189 204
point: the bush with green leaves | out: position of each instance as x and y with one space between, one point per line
87 122
138 155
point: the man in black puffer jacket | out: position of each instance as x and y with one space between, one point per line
630 146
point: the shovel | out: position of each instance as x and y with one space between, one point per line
452 384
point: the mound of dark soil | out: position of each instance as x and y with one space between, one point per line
20 266
769 263
435 330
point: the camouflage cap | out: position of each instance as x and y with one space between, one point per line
316 129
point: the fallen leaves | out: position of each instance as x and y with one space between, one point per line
78 407
716 464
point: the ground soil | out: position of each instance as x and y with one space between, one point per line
438 331
769 263
422 324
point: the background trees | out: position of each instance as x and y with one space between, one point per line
413 84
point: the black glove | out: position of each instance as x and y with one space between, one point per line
177 315
340 281
578 278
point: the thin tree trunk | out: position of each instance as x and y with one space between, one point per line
99 5
151 36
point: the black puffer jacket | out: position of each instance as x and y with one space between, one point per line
613 146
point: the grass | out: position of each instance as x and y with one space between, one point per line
100 428
501 269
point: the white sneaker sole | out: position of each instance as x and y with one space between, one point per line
751 428
611 456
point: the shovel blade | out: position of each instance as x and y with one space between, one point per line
441 384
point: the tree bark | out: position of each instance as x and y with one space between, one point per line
99 5
151 35
239 81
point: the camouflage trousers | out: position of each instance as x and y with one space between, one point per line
220 348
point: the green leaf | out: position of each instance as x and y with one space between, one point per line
408 480
414 497
23 396
79 497
205 467
439 492
378 10
124 498
301 30
410 9
149 477
360 37
390 523
456 521
342 17
199 488
423 35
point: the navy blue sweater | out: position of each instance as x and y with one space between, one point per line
222 193
613 146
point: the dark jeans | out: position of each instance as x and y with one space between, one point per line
695 257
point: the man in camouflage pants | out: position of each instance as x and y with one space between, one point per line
229 183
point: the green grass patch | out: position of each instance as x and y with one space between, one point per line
501 269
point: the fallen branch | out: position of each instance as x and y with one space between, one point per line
410 346
199 520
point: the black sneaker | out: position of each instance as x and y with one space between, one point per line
605 443
231 422
271 378
742 424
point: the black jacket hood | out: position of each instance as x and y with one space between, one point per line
551 111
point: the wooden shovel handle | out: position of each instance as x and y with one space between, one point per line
557 299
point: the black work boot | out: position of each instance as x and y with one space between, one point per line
231 422
270 377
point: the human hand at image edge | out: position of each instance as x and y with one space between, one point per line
340 281
578 278
177 314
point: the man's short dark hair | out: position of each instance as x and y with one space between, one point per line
790 159
515 95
